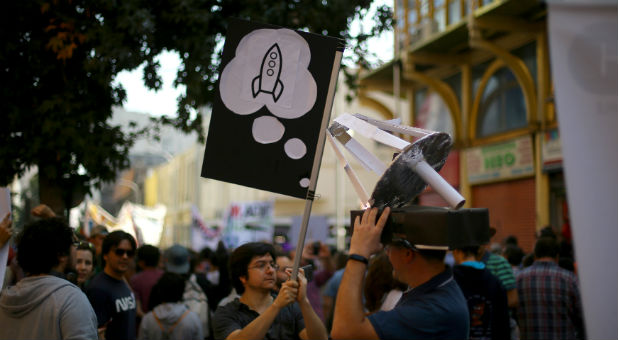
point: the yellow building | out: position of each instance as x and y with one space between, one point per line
479 69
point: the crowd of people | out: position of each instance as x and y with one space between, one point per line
62 285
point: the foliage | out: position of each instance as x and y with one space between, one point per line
59 59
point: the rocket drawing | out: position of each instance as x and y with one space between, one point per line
268 79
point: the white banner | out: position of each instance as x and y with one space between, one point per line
204 234
144 223
583 40
248 222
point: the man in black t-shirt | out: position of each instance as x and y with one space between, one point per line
110 295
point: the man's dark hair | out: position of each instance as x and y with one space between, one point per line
527 260
169 288
513 254
432 255
242 256
41 243
113 239
511 240
149 254
206 253
548 231
84 245
546 247
470 250
282 254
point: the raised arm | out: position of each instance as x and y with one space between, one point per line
314 327
350 321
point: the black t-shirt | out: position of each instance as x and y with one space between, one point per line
487 302
236 315
113 302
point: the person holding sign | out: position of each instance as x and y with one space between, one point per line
433 308
258 314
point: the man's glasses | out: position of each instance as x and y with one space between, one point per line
261 265
120 252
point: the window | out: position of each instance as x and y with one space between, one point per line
431 112
455 83
527 54
502 105
419 99
477 75
424 8
400 16
439 13
412 17
454 11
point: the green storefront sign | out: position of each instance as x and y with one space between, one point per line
511 159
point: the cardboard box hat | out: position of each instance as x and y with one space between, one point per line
435 228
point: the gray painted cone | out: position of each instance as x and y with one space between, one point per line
400 184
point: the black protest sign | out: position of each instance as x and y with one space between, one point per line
271 99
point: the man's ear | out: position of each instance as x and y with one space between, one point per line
409 255
457 254
243 280
63 261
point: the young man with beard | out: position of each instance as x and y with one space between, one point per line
112 299
257 314
43 306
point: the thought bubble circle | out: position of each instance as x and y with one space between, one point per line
267 129
295 148
304 182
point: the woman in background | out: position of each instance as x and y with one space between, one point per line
84 263
382 291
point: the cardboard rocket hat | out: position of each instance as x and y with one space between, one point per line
435 227
405 178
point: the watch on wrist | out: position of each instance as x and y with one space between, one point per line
358 258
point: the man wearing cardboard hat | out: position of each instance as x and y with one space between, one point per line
433 307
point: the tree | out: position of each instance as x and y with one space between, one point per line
59 59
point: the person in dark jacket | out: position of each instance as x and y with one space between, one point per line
486 297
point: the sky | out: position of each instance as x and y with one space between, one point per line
164 102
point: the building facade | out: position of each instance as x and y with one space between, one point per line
479 69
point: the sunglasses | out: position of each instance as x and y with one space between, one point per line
120 252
